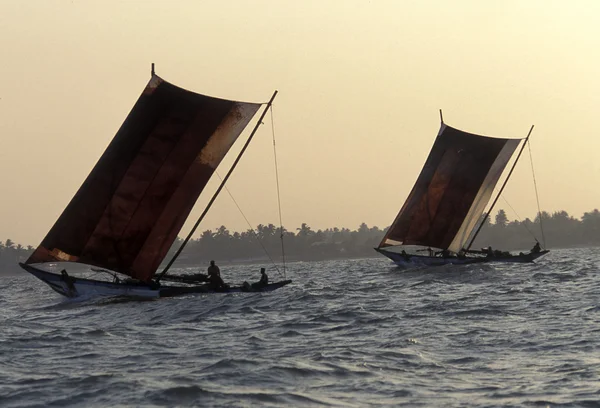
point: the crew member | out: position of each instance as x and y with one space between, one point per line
264 279
214 276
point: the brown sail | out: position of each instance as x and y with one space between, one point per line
452 191
135 201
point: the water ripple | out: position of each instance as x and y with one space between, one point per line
348 333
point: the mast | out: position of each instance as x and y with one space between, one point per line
216 194
501 189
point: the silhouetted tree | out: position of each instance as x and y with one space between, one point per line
501 219
561 229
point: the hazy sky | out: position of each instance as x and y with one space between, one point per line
360 86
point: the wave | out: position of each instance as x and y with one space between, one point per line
351 333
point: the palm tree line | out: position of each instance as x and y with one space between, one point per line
13 252
304 243
556 230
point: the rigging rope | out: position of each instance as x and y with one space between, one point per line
278 194
216 194
251 227
487 214
537 197
519 218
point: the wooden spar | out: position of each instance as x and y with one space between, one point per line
501 189
152 70
441 117
216 194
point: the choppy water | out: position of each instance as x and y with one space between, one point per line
346 333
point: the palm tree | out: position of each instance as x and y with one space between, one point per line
18 249
304 230
501 219
591 226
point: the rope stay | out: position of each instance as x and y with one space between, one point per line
278 192
528 143
251 228
519 218
278 203
216 194
487 214
537 197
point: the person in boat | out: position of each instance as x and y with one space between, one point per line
489 251
536 248
264 280
444 253
69 280
214 276
405 255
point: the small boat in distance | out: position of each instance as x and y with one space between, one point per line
442 215
127 213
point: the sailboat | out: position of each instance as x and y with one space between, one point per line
126 215
443 213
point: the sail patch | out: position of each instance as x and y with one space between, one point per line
226 134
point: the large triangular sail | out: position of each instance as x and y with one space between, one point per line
452 191
131 207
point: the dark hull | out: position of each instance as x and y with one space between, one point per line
74 287
169 291
416 260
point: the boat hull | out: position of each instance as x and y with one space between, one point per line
421 260
72 287
170 291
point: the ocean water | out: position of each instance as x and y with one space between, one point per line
350 333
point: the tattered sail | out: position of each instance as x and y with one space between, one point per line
135 201
452 191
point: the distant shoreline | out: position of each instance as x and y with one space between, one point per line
15 269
